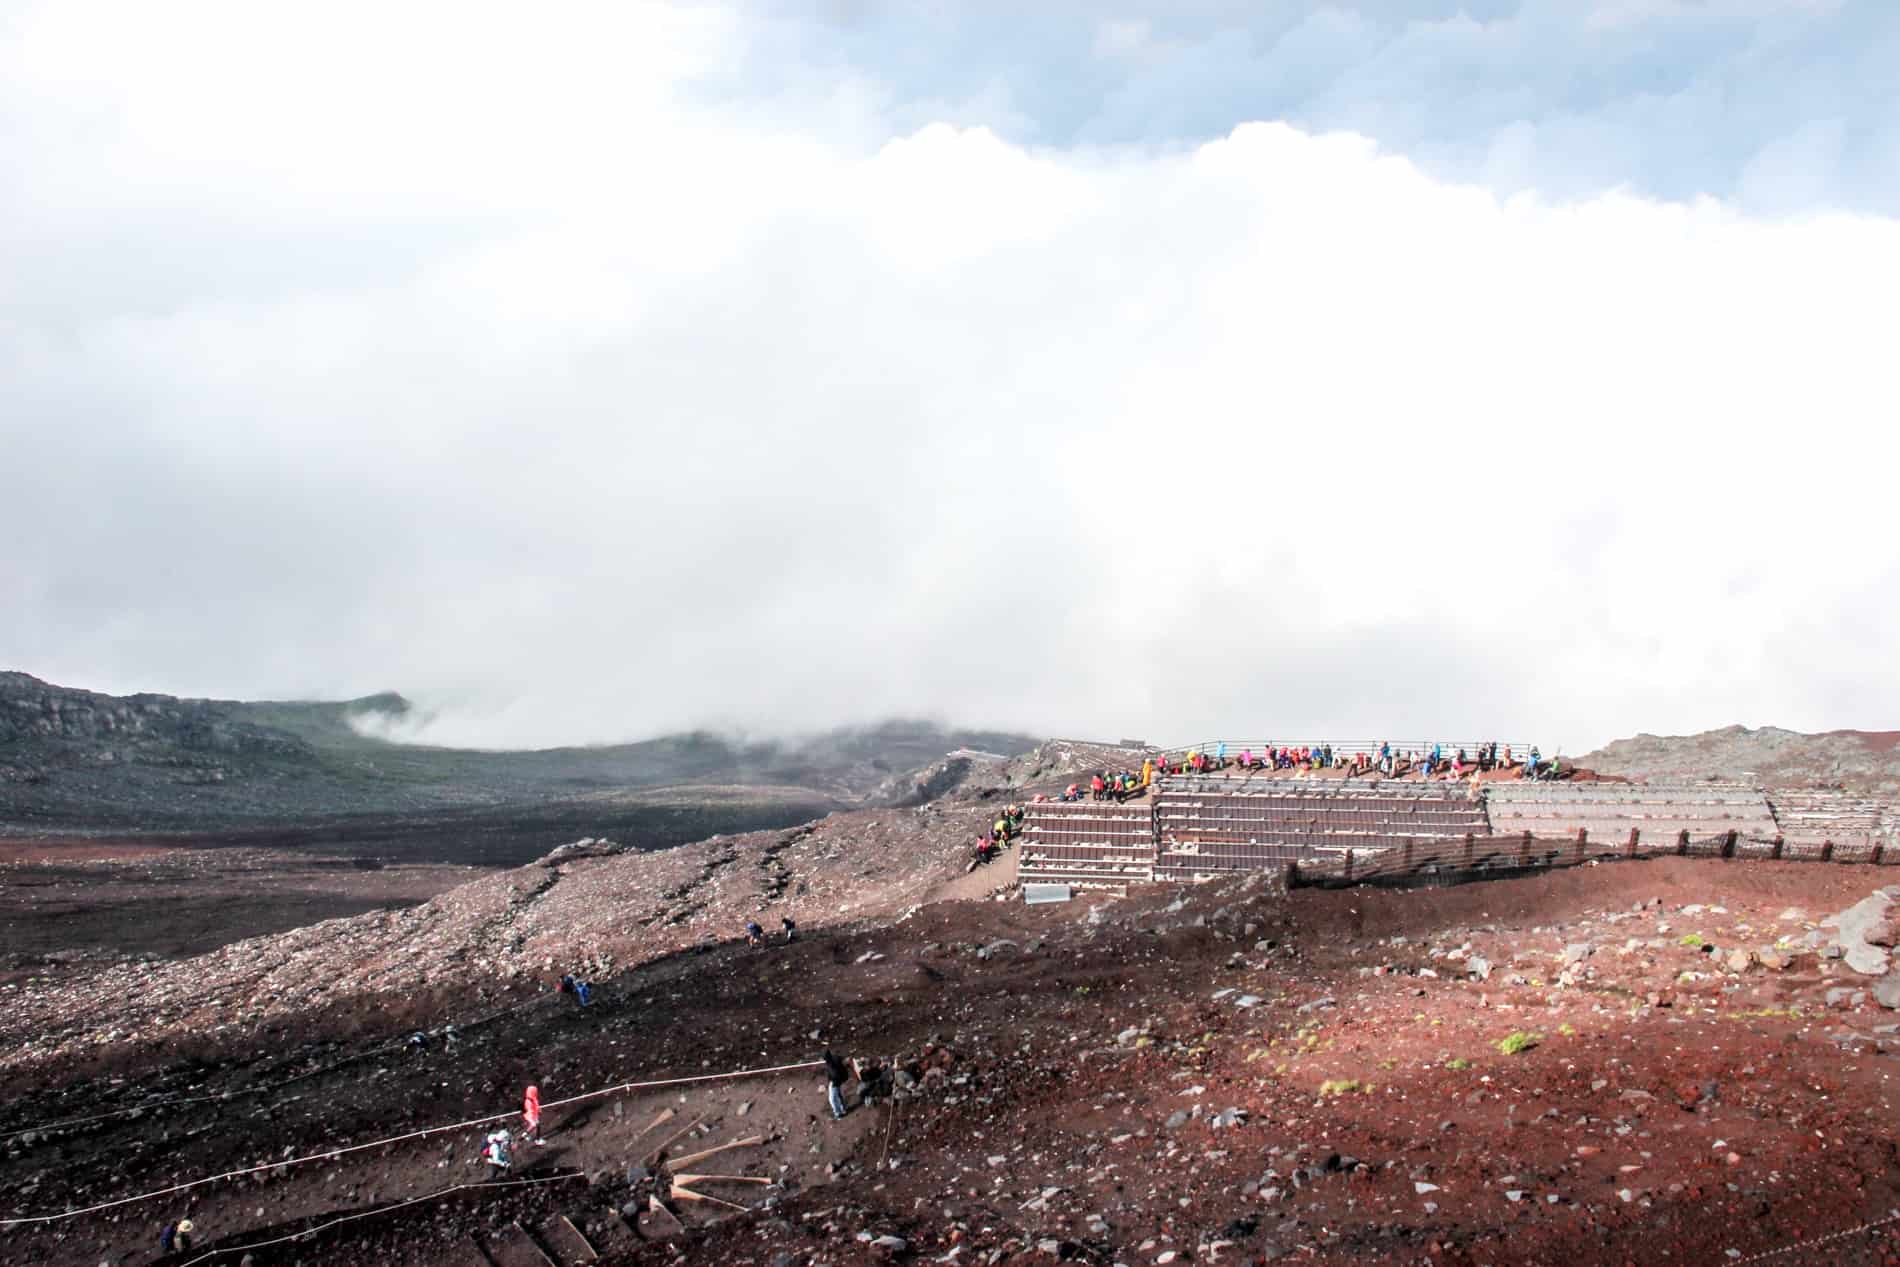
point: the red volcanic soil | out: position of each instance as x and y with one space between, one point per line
51 851
1227 1074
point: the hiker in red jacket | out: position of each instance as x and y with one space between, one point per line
531 1114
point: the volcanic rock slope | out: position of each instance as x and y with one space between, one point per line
1863 762
1672 1061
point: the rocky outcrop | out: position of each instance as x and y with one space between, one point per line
1863 762
131 726
1863 937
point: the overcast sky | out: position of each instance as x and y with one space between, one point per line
1406 368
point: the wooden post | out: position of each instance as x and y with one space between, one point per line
750 1141
665 1116
1583 842
1827 851
1776 851
672 1139
682 1189
1470 844
1407 855
1524 849
1728 843
1682 842
1349 866
1634 833
1880 853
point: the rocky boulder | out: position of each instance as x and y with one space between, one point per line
1850 930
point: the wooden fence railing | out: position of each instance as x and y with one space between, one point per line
1476 854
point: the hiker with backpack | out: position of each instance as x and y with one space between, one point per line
497 1154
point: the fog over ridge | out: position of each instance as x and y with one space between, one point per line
547 373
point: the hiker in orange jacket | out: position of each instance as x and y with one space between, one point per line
531 1114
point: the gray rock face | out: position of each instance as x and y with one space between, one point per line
1850 929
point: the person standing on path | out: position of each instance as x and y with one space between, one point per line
837 1073
531 1114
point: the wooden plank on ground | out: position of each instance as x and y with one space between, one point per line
510 1247
672 1139
534 1243
750 1141
665 1116
560 1235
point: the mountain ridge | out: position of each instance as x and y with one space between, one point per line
1864 762
74 757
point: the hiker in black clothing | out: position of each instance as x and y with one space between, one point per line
754 935
791 929
874 1081
837 1073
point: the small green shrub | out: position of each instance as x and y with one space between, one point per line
1517 1041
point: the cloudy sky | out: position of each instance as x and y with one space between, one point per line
1516 367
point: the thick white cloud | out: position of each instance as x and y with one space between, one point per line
504 365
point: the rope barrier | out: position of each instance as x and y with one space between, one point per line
172 1102
310 1232
1893 1216
334 1153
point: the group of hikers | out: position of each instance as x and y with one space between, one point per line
498 1147
1008 826
875 1081
1431 763
755 936
1118 785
